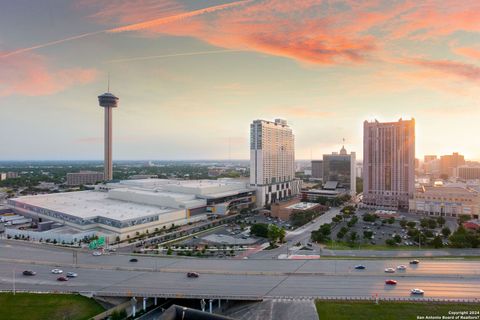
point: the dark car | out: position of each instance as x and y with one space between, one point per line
414 262
134 260
360 267
193 275
62 279
29 273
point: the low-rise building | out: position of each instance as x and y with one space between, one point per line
283 210
84 177
450 201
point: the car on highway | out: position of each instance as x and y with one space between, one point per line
193 275
62 279
57 271
360 267
414 262
390 270
417 291
133 260
402 267
391 282
72 275
29 273
96 253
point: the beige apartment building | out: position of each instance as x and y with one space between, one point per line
272 161
446 201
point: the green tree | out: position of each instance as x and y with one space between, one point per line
397 238
432 223
367 234
391 220
446 231
411 224
437 242
390 242
259 230
403 223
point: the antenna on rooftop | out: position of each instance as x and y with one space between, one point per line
108 82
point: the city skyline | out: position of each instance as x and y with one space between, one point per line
179 80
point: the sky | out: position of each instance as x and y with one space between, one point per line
192 75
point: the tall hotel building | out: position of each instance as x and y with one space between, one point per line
388 163
272 161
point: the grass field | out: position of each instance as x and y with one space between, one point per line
47 306
328 310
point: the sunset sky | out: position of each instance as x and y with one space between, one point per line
192 75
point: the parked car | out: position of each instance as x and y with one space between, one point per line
417 291
57 271
72 274
193 275
62 279
96 253
29 273
391 282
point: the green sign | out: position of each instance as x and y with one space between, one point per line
97 243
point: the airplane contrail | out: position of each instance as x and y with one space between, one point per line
133 27
171 55
160 21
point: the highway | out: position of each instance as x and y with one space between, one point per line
233 279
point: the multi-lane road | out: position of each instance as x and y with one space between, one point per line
232 279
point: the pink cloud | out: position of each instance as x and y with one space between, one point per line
472 53
30 75
457 69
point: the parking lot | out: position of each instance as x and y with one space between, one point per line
383 228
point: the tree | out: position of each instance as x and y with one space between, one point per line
340 235
390 242
352 238
463 218
352 221
446 231
423 223
437 242
259 230
411 224
432 223
391 220
397 238
367 234
403 223
169 251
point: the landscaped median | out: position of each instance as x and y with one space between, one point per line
33 306
363 310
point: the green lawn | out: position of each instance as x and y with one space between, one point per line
328 310
47 306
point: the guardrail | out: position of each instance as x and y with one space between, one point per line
176 295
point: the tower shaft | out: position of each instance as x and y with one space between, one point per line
108 166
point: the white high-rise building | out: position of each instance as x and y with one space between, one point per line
388 163
272 161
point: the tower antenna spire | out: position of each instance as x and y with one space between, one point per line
108 82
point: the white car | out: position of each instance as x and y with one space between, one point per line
417 291
57 271
402 267
96 253
390 270
72 274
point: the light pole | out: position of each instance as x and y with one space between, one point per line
13 281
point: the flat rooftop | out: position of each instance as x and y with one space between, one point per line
302 206
90 204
